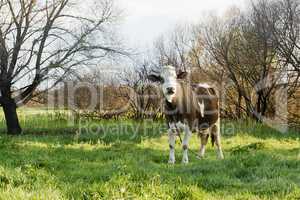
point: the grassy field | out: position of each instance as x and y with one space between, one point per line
128 160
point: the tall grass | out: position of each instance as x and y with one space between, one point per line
41 120
127 159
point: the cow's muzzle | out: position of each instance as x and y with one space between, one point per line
170 90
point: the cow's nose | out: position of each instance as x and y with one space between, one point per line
170 90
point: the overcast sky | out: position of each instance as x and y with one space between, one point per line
145 20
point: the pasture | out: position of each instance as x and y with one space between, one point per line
128 160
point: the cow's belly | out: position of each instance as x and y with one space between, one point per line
194 122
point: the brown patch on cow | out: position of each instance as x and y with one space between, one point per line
185 106
171 147
185 147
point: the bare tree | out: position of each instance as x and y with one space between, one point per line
286 30
41 40
243 48
142 96
284 18
218 38
175 48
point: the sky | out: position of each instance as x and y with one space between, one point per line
146 20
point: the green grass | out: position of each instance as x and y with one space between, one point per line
128 160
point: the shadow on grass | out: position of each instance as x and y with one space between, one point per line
107 132
77 168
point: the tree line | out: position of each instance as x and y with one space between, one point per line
249 54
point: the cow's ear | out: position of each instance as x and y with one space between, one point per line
182 75
155 78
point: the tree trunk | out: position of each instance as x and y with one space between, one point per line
258 102
251 110
238 106
11 117
264 106
259 106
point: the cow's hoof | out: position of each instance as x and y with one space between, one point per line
171 162
220 156
200 157
185 161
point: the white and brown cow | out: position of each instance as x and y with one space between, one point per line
191 108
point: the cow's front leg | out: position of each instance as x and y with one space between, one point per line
172 139
217 137
185 145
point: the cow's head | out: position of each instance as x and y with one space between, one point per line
168 79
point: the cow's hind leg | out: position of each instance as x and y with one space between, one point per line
172 140
185 145
204 138
216 139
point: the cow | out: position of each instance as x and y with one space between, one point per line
191 108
